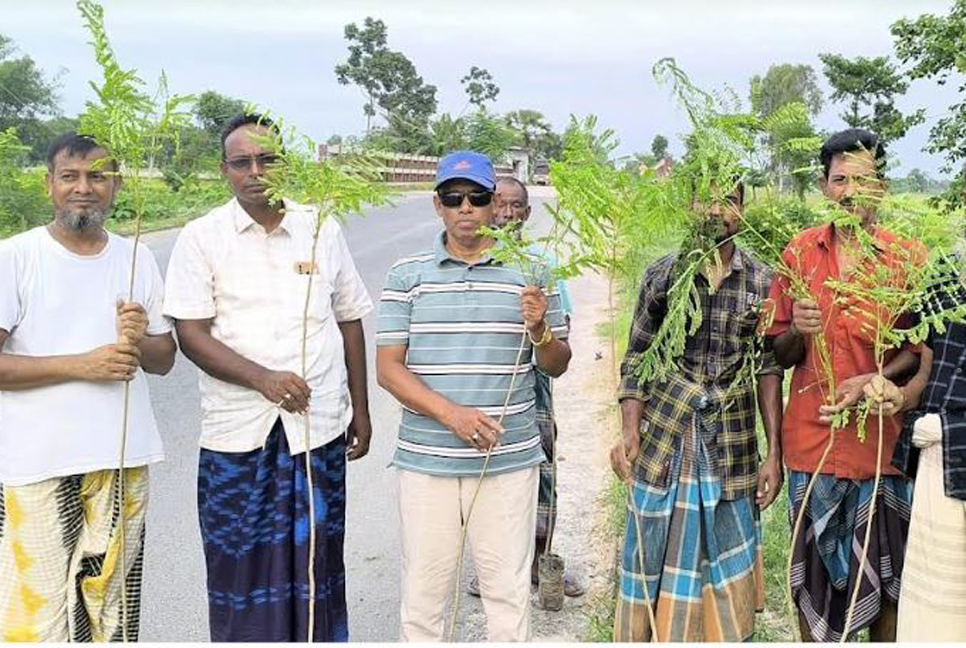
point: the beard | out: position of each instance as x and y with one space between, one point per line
78 220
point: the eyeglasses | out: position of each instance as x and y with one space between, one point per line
476 198
245 163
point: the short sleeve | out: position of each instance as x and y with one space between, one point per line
395 308
780 300
11 304
153 304
350 299
189 290
557 316
565 302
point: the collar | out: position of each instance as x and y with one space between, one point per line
243 221
738 259
441 254
737 263
880 238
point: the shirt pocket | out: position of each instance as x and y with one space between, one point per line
743 322
310 295
859 322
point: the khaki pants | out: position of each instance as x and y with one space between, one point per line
932 602
60 571
500 536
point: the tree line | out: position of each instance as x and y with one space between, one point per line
401 108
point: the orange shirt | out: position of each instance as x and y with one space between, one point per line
812 256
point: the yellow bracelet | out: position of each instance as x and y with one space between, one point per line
544 339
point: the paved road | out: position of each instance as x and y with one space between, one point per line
175 607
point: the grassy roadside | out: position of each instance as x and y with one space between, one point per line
613 501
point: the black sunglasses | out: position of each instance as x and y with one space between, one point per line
245 163
455 198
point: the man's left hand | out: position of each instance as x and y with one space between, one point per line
357 437
883 392
849 393
534 305
770 479
131 321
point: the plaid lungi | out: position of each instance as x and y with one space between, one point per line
702 555
254 514
825 558
60 566
546 491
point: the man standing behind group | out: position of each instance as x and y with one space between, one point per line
459 338
69 341
512 208
690 452
237 284
826 552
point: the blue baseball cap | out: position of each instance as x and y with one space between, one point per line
466 165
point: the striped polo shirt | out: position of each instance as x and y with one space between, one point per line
463 327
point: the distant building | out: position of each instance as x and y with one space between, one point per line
518 161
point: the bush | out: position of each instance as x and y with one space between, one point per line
777 221
23 199
161 203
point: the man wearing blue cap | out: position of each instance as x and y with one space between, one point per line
458 339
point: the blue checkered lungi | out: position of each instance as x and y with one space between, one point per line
702 555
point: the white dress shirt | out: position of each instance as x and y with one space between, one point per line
252 284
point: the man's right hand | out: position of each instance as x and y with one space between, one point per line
109 363
806 317
473 426
286 390
624 454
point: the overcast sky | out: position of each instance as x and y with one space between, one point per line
560 57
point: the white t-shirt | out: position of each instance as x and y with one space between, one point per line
55 302
253 285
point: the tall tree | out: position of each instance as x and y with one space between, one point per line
212 110
659 147
388 78
784 99
534 133
793 141
935 48
480 87
869 87
489 134
448 134
367 45
784 84
27 96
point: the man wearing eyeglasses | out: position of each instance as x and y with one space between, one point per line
236 287
458 337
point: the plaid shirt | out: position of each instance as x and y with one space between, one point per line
945 395
711 360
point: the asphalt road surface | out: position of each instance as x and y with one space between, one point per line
174 605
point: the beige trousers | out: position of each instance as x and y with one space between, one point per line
932 603
500 536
